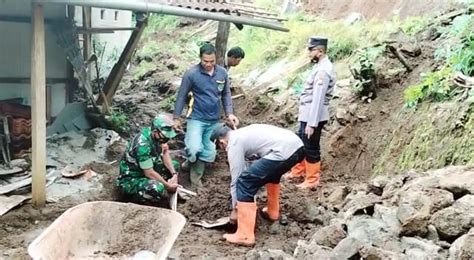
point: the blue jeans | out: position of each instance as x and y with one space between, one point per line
198 141
262 172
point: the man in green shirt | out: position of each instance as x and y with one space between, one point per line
146 169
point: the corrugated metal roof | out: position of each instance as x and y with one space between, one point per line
222 6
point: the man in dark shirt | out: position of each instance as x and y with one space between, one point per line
209 84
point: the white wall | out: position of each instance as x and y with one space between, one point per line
15 44
114 42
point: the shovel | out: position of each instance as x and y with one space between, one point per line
212 224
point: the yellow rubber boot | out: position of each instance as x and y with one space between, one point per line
297 171
272 210
246 215
313 173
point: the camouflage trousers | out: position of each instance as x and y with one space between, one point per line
142 186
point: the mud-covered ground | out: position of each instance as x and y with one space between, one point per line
19 227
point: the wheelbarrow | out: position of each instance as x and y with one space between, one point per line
109 230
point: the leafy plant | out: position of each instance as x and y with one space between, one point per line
119 121
435 85
413 25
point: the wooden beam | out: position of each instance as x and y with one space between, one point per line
24 19
38 106
115 76
70 86
82 30
221 41
87 44
26 80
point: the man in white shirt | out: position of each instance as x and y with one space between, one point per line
278 151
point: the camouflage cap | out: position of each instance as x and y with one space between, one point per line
164 124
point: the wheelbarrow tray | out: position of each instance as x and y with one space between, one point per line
108 230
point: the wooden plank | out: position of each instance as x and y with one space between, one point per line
221 41
87 44
8 203
70 85
113 80
5 189
38 105
82 30
10 171
26 80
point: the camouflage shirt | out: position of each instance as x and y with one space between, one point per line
142 153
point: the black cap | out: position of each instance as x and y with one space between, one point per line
220 131
316 41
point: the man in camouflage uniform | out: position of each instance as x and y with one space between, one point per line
314 112
147 170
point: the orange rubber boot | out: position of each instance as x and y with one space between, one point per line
313 172
272 210
297 171
246 216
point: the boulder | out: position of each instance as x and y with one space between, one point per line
359 203
343 116
377 184
329 236
375 253
416 207
456 220
371 231
414 213
459 183
463 247
268 254
389 216
311 251
347 248
336 198
418 248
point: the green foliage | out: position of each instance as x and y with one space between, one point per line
458 55
435 85
413 25
143 68
161 22
119 121
263 46
364 69
167 104
149 50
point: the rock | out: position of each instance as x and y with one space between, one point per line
420 243
347 248
307 212
359 203
377 184
342 116
419 248
336 198
389 216
311 251
329 236
268 254
116 150
392 187
463 247
375 253
416 207
372 231
432 233
456 220
459 183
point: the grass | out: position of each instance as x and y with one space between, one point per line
262 46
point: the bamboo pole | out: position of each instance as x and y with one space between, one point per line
38 106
